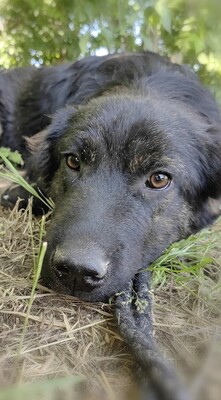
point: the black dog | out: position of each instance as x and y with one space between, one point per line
130 173
131 169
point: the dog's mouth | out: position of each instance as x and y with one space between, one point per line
77 287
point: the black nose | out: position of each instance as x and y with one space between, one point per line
74 263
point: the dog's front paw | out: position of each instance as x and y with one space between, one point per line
133 308
14 193
133 312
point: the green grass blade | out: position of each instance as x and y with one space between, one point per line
14 176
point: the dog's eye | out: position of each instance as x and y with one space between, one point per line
73 162
158 181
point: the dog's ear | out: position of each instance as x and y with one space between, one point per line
207 203
203 191
206 214
34 142
43 163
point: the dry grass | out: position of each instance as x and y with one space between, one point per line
65 337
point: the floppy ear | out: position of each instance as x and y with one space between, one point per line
207 214
208 194
43 163
208 199
34 142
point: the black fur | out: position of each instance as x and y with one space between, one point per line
133 314
122 138
11 85
30 96
126 118
147 116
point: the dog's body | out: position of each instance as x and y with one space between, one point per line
11 86
134 168
29 96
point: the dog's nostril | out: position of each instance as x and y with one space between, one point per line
97 272
68 272
89 271
70 263
61 270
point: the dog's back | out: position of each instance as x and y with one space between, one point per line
30 96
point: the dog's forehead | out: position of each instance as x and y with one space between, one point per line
135 131
117 124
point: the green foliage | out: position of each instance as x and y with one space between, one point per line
13 156
187 258
42 390
50 31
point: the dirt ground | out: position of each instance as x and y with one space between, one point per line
59 336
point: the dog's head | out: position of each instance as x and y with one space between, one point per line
130 173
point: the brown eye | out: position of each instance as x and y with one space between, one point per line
158 181
73 162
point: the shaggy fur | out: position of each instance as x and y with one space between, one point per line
11 85
30 96
109 222
130 120
107 209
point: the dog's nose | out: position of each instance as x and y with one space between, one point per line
75 263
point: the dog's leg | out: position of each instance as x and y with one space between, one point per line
16 192
12 194
133 313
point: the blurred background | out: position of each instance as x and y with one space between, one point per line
46 32
61 338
